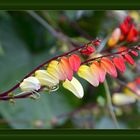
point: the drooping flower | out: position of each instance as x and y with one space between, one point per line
134 53
86 73
54 69
30 84
45 78
129 59
125 25
65 67
133 34
113 40
122 99
75 62
119 63
74 86
100 73
108 66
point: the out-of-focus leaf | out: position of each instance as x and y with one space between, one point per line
15 63
107 123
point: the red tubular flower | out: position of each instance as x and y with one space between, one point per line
125 26
108 66
128 30
132 35
89 50
137 80
75 62
119 63
129 59
100 73
134 53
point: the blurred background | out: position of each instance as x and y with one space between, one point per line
26 41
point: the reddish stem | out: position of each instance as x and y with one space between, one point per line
40 66
107 55
4 96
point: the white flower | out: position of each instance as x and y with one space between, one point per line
122 99
75 87
30 84
45 78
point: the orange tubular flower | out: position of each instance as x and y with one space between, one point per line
100 73
66 68
75 62
108 66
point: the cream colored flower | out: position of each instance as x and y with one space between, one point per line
45 78
75 87
122 99
30 84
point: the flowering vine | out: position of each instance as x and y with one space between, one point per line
61 69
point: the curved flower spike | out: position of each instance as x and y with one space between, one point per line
122 99
45 78
108 66
100 73
54 70
75 62
66 68
30 84
85 73
75 87
119 63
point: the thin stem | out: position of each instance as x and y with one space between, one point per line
40 66
108 55
59 35
109 103
65 54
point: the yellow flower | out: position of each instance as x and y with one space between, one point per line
86 73
122 99
55 70
30 84
75 87
45 78
113 40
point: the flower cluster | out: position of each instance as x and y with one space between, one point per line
93 70
126 32
61 69
55 72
